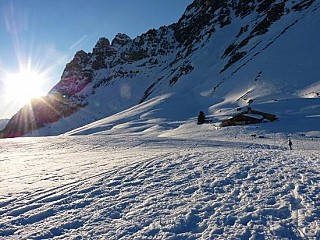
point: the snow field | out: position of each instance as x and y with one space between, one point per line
140 187
148 173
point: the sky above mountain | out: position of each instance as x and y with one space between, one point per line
39 37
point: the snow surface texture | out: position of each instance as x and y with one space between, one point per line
140 181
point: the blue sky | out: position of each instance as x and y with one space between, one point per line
45 34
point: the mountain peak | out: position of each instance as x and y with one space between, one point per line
101 50
80 58
102 42
120 40
215 49
101 46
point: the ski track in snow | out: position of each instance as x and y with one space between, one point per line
131 187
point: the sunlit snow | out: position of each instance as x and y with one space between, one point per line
131 177
148 171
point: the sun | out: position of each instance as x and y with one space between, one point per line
24 85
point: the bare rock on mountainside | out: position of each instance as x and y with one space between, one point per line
215 49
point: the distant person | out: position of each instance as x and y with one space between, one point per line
290 144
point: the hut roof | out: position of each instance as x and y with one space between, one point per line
248 117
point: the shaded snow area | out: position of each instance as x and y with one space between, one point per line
3 123
192 183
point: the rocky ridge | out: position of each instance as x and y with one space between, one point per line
163 57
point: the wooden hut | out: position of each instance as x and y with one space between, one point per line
248 117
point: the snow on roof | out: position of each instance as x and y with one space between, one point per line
257 116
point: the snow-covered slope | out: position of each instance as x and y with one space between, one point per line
130 161
220 54
135 175
194 182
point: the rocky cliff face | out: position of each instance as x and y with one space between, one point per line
222 35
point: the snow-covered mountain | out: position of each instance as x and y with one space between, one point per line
217 57
131 162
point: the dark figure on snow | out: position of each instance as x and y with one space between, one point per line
290 144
